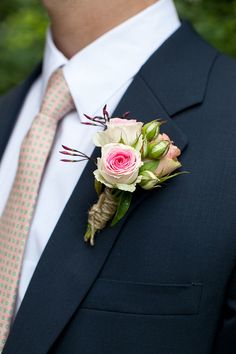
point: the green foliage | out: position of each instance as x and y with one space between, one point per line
214 19
124 201
22 29
23 24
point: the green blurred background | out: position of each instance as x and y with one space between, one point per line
23 24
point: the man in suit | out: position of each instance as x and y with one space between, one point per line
162 281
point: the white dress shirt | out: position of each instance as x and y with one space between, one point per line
97 75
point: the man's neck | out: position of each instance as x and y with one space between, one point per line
78 23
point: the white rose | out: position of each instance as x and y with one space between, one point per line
127 131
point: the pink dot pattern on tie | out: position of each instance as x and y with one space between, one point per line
17 216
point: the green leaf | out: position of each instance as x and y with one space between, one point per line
150 166
121 141
124 201
166 178
98 186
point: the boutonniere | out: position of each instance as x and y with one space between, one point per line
133 155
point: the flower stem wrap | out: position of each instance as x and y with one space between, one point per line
100 213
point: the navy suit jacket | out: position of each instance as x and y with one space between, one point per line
163 280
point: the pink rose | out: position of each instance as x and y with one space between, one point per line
162 137
165 137
173 152
119 167
127 131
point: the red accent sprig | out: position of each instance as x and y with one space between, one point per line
98 121
72 152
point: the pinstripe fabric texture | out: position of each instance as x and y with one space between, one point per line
17 216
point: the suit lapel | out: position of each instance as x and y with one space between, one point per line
178 72
68 267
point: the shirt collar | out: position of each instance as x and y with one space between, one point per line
53 59
99 70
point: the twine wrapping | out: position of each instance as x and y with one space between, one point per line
100 213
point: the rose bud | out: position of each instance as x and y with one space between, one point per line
167 166
144 150
151 130
158 150
149 180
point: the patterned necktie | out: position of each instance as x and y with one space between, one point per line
17 216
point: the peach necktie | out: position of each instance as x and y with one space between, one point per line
17 216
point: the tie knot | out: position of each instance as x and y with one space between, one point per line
57 101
